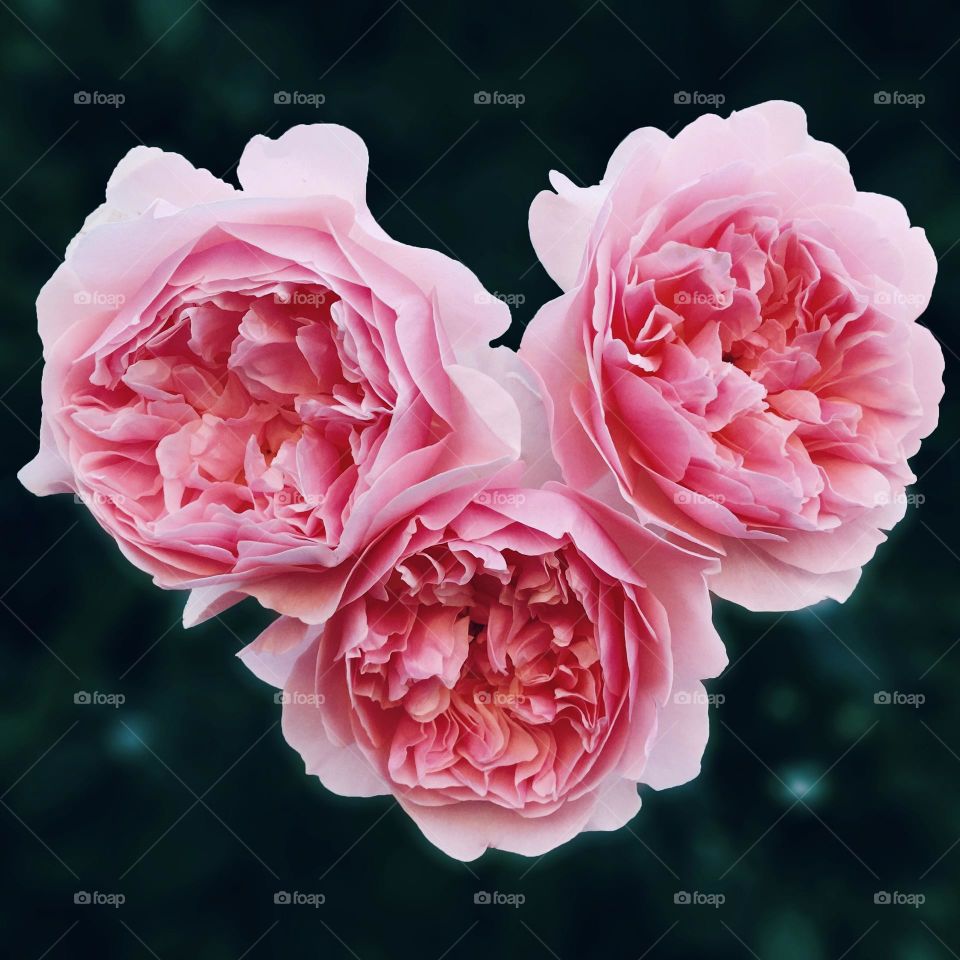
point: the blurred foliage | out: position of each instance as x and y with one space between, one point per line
185 799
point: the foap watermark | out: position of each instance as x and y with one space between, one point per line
897 98
297 98
500 498
87 898
498 99
95 98
701 298
510 299
899 497
696 898
698 99
293 498
96 498
496 898
692 496
302 298
298 698
295 898
98 298
885 898
895 698
886 298
684 697
86 698
499 698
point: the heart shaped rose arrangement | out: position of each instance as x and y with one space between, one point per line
492 571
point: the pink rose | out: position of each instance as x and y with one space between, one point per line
245 386
509 667
737 347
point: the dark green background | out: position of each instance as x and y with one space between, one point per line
102 799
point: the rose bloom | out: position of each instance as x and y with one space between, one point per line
245 385
737 348
508 667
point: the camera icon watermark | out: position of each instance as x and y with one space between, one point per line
297 98
499 698
695 497
86 98
98 298
698 99
884 898
302 298
702 299
895 698
510 299
297 899
899 99
500 498
85 898
885 298
685 697
498 99
96 498
496 898
686 898
901 497
299 698
84 698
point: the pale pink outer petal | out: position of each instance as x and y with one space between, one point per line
808 567
928 365
507 368
617 803
206 602
273 656
846 547
919 262
147 175
561 223
342 768
47 472
309 160
762 135
465 830
553 349
488 409
759 582
683 727
471 316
